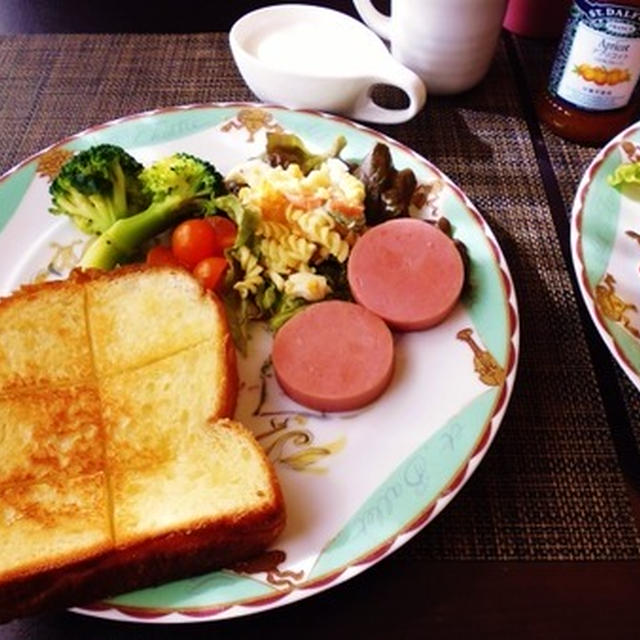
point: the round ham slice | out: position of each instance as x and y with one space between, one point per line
333 356
406 271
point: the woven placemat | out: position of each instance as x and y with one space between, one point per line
570 161
551 487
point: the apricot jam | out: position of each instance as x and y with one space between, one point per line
593 86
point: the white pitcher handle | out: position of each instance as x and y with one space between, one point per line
375 20
395 74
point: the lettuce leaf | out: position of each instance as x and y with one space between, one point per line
628 173
246 220
287 307
388 191
284 149
336 274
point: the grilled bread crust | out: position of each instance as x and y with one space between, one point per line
214 544
58 426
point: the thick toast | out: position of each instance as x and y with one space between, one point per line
118 468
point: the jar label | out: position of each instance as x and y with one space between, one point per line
598 61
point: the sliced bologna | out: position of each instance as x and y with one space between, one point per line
333 356
406 271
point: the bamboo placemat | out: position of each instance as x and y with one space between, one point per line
551 487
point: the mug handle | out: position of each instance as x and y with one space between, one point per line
375 20
395 74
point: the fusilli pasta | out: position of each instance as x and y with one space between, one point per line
318 226
271 229
252 272
286 254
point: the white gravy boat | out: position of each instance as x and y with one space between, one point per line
309 57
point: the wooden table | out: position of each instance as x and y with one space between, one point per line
544 541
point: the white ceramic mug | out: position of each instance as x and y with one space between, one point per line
310 57
449 43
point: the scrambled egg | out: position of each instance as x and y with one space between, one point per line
309 286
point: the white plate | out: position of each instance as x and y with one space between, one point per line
359 485
605 246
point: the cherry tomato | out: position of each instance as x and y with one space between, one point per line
161 256
193 241
210 271
226 230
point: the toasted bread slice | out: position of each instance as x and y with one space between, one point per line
153 434
49 524
50 432
118 468
32 329
177 314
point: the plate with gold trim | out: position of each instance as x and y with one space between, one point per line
605 246
357 485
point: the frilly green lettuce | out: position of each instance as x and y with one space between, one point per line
246 220
284 149
628 173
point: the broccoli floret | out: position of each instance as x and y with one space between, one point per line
98 186
178 186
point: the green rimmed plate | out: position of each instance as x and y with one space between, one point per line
357 485
605 246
